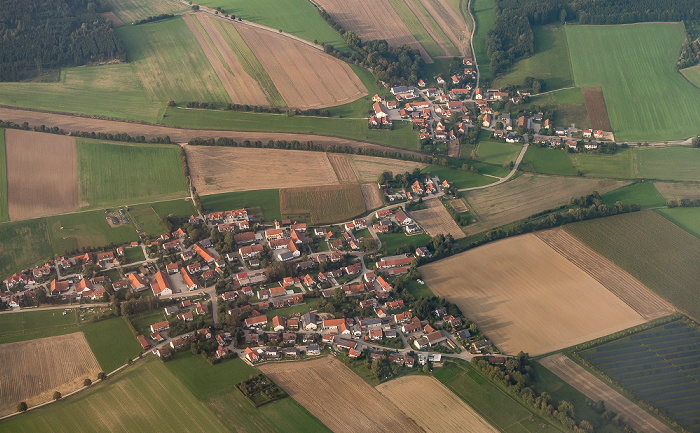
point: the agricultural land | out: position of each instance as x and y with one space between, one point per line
133 10
323 204
4 214
435 219
677 190
485 20
371 195
595 106
265 203
525 296
368 168
316 383
692 74
687 218
37 368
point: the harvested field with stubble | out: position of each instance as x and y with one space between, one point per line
451 23
595 106
322 384
432 406
371 195
132 10
527 195
216 169
33 370
368 168
304 76
370 21
42 174
342 168
435 220
645 302
323 204
525 296
677 190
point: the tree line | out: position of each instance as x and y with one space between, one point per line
123 136
44 34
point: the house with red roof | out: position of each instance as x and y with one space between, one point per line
162 284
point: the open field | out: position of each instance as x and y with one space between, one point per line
527 195
451 26
153 398
550 61
136 173
497 152
687 218
485 17
394 241
595 105
133 10
668 163
342 167
652 249
4 215
52 192
216 169
435 219
460 179
568 105
23 244
368 168
643 193
645 302
659 365
32 323
550 161
420 28
147 220
323 204
692 74
540 304
86 229
425 400
265 202
676 190
316 383
371 195
174 207
664 103
373 21
240 87
429 23
596 390
304 76
34 370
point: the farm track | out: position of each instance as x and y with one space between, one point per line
622 284
450 23
428 28
597 390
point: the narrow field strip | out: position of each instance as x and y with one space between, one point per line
424 34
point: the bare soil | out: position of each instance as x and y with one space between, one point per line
373 20
675 190
525 296
42 174
432 406
332 393
458 205
33 370
596 390
371 195
595 106
368 168
342 168
435 220
215 169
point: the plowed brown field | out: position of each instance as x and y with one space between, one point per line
42 174
622 284
215 169
595 106
525 296
33 370
304 76
435 220
342 168
371 195
373 20
432 406
451 24
338 397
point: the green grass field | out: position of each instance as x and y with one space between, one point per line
452 50
668 163
134 254
146 397
298 17
692 74
619 165
652 249
310 305
643 194
568 105
23 244
142 322
647 99
85 229
402 136
170 63
460 179
136 173
112 342
132 10
268 201
178 208
551 161
31 324
687 218
485 17
418 290
250 63
550 61
147 220
416 28
4 211
360 107
393 241
496 152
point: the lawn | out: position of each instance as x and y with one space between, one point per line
393 241
134 254
460 179
550 61
687 218
86 229
643 194
147 220
136 173
146 397
418 290
550 161
568 105
142 322
402 136
620 165
485 17
416 28
647 99
692 74
177 208
310 305
112 342
23 244
170 63
268 202
652 249
32 324
4 212
497 152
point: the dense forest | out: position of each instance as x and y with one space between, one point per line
512 37
44 34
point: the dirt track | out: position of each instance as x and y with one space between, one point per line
596 390
77 123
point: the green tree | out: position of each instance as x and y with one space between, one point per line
56 395
87 382
22 406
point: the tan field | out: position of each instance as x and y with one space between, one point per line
596 390
33 370
635 294
458 205
241 87
527 195
338 397
304 76
371 196
373 20
435 220
323 204
428 28
342 168
525 296
675 191
451 24
42 174
217 169
368 168
432 406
